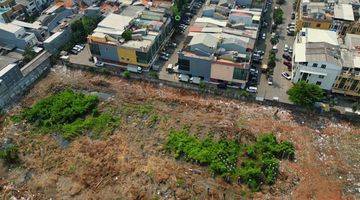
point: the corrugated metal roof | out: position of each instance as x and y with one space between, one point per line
344 12
205 39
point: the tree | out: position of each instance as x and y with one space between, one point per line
28 54
272 60
305 94
126 74
280 2
278 16
127 35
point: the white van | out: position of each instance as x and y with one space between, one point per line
184 78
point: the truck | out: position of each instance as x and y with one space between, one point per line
184 78
195 80
135 69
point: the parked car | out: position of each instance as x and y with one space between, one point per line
251 89
260 52
164 58
222 86
195 80
184 78
286 48
170 68
263 36
287 56
292 16
253 71
73 51
286 75
164 54
290 50
99 64
270 80
288 64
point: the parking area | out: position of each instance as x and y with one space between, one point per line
279 83
179 38
82 57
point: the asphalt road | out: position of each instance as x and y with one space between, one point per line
280 84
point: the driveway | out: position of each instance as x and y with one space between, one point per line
280 84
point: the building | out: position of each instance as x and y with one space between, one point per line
52 17
40 32
215 59
15 36
341 17
149 28
348 82
33 6
316 57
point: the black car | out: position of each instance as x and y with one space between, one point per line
222 86
292 16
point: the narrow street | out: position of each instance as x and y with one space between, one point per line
280 84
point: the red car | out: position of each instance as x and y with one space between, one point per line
287 56
288 64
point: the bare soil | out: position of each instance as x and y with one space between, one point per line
132 163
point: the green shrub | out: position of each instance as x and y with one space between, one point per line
64 107
153 74
126 74
70 114
10 154
259 161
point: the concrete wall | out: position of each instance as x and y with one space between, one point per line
330 73
109 52
54 45
13 93
198 67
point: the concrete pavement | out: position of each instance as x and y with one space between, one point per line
280 84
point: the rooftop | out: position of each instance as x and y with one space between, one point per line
4 10
12 28
308 35
205 39
344 12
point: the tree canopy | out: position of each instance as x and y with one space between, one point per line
305 94
28 54
127 35
278 16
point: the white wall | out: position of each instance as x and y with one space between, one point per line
330 73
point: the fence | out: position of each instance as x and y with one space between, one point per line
212 90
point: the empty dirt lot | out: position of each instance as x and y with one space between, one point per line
132 163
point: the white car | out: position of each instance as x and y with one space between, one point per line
263 36
286 75
251 89
99 64
286 48
184 78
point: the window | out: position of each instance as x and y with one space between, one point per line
354 85
321 76
323 66
318 83
314 65
184 64
239 74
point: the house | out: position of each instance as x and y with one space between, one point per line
33 6
52 16
204 44
15 36
348 82
40 31
316 57
149 29
230 72
9 75
328 15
